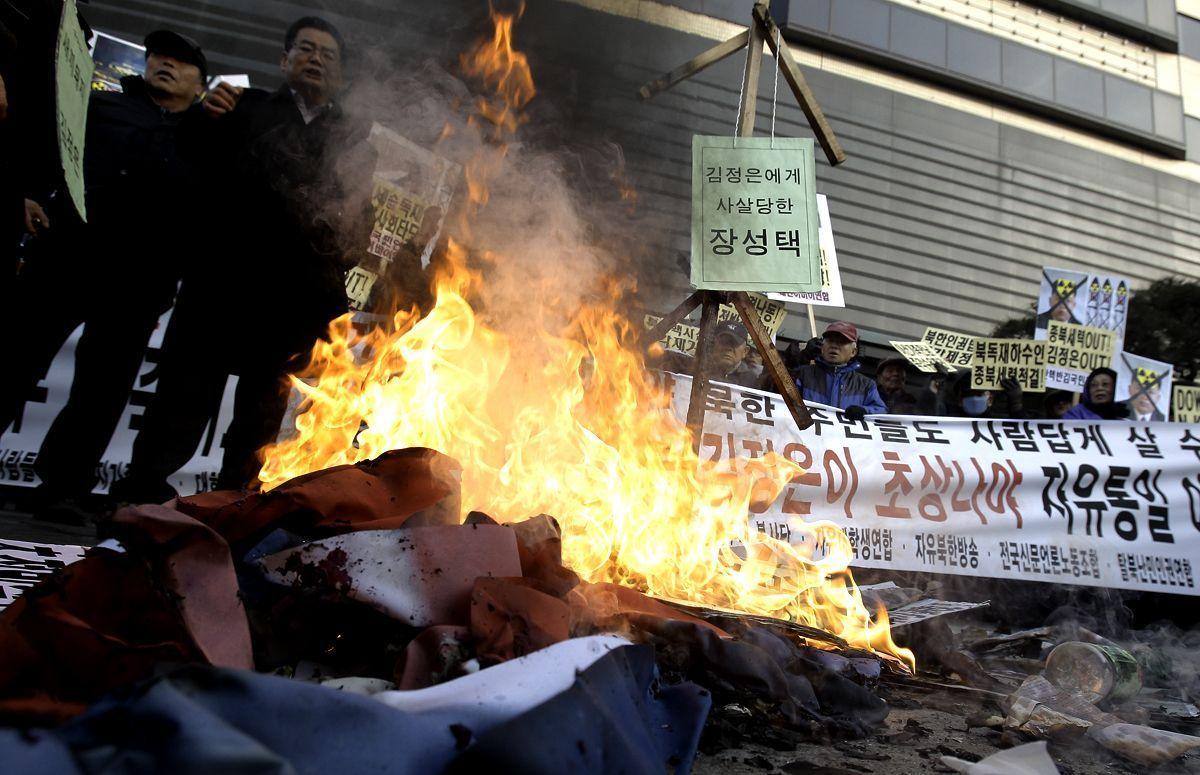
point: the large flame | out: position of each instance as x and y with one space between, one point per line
566 422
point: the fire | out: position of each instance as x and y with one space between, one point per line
564 419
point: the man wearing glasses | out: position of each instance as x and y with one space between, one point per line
298 191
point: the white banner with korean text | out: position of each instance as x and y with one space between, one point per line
1108 504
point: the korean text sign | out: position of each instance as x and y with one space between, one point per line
923 355
1091 503
830 294
73 82
1023 360
956 348
754 215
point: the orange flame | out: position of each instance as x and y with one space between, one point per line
566 422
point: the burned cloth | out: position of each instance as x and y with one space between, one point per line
115 616
203 719
407 486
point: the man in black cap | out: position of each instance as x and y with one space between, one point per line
305 199
117 274
729 349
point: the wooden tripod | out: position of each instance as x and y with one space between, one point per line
762 29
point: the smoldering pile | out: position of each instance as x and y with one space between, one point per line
352 618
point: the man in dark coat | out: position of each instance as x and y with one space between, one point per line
257 310
29 165
833 379
117 274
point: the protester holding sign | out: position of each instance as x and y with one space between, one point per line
1098 403
833 379
300 230
145 150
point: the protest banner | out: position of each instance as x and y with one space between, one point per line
830 294
1090 503
23 564
956 348
73 86
1185 404
1146 385
684 335
1082 303
410 194
997 359
1074 351
19 444
924 356
115 59
754 215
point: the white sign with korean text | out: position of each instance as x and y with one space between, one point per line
1106 504
830 294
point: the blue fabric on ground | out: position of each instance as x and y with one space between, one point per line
614 719
201 719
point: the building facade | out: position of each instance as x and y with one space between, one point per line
986 138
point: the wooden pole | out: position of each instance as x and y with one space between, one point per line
674 316
799 86
812 321
699 396
792 398
694 65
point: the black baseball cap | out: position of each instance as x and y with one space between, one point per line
732 328
181 47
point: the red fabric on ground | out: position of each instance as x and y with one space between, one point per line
112 618
407 486
510 618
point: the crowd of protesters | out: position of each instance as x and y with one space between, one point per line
252 290
255 289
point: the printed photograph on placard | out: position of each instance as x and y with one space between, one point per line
1084 315
1145 385
115 58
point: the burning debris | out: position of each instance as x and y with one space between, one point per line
604 604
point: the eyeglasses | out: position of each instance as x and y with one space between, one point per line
311 49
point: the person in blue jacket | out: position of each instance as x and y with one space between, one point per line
833 378
1098 393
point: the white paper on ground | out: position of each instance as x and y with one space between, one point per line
482 700
1028 759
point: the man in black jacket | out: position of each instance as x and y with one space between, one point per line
259 314
117 274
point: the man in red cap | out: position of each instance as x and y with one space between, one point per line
833 379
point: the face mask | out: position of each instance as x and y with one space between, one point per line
975 405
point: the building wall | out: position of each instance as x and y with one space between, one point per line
943 215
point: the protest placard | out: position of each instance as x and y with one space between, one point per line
1145 384
1080 300
1021 359
411 191
1185 404
754 215
956 348
923 355
830 294
114 59
684 335
73 86
1084 503
1073 351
